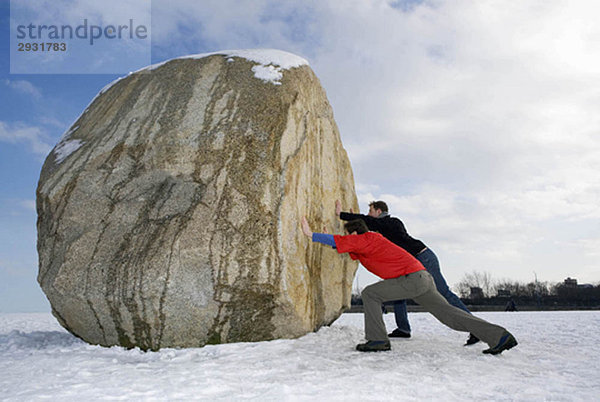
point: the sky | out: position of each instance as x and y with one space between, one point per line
475 120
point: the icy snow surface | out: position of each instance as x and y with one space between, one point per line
557 359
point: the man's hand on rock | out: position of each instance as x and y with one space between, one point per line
338 208
305 227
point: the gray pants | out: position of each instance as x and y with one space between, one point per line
420 287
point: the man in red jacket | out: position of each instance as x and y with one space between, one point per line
404 277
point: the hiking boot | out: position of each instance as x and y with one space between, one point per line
373 346
506 342
472 340
397 333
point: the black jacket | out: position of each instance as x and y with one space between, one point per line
391 228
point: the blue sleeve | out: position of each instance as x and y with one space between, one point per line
324 238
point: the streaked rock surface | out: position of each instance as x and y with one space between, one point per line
168 214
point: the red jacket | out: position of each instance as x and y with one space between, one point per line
378 254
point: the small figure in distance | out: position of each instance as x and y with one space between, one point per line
511 306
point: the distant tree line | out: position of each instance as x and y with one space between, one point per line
478 288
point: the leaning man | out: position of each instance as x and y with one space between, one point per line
404 277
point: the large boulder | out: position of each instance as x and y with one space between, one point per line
168 215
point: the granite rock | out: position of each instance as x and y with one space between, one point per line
168 215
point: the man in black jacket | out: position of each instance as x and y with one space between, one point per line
379 220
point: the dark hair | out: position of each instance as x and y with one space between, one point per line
379 205
358 225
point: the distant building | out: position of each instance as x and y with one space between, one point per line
571 283
503 293
476 293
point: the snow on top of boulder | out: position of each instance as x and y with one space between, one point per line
66 148
270 64
268 73
266 57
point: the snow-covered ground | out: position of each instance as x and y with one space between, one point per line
557 359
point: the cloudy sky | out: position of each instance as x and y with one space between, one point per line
476 120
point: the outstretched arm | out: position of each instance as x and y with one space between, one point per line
372 223
316 237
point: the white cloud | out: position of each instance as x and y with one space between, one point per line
35 137
188 27
74 12
28 205
19 207
120 54
24 87
16 268
52 121
477 121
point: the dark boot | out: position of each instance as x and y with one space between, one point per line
373 346
506 342
472 340
399 334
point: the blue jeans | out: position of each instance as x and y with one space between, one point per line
432 265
